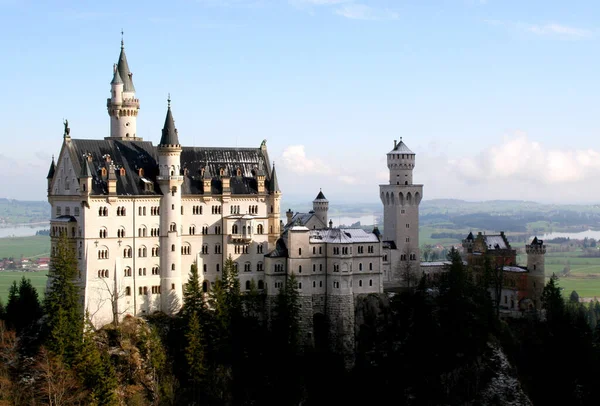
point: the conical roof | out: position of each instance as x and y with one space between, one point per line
116 78
402 148
86 171
52 169
169 132
320 196
124 72
274 182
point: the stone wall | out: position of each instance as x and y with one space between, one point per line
340 315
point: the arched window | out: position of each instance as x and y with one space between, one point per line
299 268
261 285
127 271
260 229
172 247
205 286
234 229
299 251
127 291
247 285
172 267
127 252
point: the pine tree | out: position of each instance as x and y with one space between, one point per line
574 297
96 371
552 300
12 306
194 351
193 297
64 315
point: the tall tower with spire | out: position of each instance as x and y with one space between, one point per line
171 228
122 104
321 207
401 199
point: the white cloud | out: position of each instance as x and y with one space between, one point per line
295 160
549 30
521 159
559 30
364 12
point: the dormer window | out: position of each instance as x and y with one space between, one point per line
122 171
141 172
238 172
104 172
222 171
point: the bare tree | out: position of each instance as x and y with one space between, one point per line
58 385
114 295
408 267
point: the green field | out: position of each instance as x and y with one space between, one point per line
38 280
585 287
34 246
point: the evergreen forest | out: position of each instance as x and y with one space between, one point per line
440 343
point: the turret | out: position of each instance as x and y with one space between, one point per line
401 162
289 215
122 105
170 181
85 179
275 203
536 267
51 172
321 207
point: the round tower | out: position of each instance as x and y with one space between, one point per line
321 207
536 270
122 105
170 181
401 199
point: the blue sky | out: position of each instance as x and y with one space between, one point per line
498 98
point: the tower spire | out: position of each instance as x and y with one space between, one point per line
169 132
122 42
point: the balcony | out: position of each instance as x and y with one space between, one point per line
240 237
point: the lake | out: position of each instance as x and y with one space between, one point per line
574 236
23 230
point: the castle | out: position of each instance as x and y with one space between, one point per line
140 215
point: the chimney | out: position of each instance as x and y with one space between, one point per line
289 214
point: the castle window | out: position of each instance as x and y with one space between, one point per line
173 247
320 267
247 285
314 267
534 267
186 249
217 229
204 268
260 229
299 268
218 267
407 239
259 267
259 249
360 283
234 229
299 285
58 211
172 286
204 249
360 266
103 253
336 284
247 267
155 270
235 266
142 252
299 251
320 284
142 271
336 268
261 285
102 233
173 227
205 286
172 267
217 248
127 291
319 250
370 282
155 251
192 230
370 266
76 211
127 253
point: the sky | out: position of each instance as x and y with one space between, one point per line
498 98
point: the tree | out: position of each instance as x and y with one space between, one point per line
58 384
574 297
193 297
407 267
552 300
287 315
23 307
194 352
64 320
96 370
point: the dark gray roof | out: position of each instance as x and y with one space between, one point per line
64 219
280 250
274 183
169 132
247 160
300 219
86 171
402 148
135 155
470 236
342 236
116 77
124 72
320 196
129 155
51 170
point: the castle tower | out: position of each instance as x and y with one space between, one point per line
536 268
51 172
321 207
401 199
170 181
275 210
122 105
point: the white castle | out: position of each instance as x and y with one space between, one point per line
140 215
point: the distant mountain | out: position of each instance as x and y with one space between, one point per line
22 211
